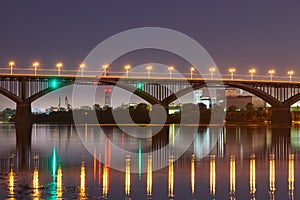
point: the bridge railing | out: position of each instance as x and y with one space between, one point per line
139 74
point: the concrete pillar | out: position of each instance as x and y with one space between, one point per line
23 114
281 115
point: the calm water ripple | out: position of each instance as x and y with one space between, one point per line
246 162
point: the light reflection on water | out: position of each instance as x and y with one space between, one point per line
248 162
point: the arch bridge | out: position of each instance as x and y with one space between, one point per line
24 89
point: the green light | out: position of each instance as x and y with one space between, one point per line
140 159
54 83
140 85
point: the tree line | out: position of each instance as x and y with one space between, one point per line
143 113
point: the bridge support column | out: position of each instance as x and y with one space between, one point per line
281 115
23 114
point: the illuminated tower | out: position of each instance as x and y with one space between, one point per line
107 92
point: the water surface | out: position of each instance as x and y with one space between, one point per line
61 161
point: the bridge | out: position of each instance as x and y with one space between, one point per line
24 89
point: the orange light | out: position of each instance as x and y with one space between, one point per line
212 69
149 67
271 71
231 70
170 68
291 72
59 65
35 64
127 67
252 71
105 66
11 63
82 66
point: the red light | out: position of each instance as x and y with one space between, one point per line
107 89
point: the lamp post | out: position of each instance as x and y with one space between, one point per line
11 64
252 72
59 66
170 68
127 68
35 65
105 66
192 70
81 67
231 70
212 70
149 68
271 72
290 73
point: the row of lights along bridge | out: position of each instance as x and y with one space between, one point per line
127 68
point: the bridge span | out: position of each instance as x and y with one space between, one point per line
24 89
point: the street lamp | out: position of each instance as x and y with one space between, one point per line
271 72
290 73
231 70
11 64
59 66
252 72
212 70
149 68
35 65
81 67
127 68
170 68
105 66
192 70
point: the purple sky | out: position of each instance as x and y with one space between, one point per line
240 33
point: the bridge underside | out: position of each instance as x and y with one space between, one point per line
25 90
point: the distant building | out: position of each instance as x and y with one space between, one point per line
197 96
221 96
107 100
230 93
233 98
207 101
53 109
36 111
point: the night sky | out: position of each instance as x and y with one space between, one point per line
264 34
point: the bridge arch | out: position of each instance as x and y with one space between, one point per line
140 93
181 93
10 95
128 88
292 100
259 93
47 91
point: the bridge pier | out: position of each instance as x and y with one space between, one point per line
23 114
281 115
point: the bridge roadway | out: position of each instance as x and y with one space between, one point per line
23 89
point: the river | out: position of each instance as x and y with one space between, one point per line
188 162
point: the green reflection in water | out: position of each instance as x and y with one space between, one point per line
53 164
140 159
